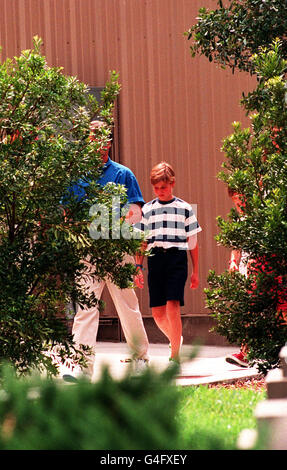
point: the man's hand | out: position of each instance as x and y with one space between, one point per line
134 214
139 278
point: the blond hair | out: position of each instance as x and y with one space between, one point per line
163 171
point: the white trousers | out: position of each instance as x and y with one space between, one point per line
86 321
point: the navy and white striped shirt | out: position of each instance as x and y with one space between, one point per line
168 224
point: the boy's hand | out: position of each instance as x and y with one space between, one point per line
194 281
139 278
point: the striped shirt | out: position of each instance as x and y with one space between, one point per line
168 224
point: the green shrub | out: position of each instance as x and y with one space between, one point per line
253 311
135 413
44 148
231 32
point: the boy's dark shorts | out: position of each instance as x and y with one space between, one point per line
167 274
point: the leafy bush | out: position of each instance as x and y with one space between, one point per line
44 148
136 413
250 36
146 412
253 310
231 33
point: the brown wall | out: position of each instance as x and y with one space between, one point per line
171 107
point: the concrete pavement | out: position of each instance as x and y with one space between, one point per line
208 367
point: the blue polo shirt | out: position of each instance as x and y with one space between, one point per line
113 172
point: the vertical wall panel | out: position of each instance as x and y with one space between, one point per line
171 107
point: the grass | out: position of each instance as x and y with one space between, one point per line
212 418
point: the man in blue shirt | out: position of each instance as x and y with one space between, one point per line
116 173
86 321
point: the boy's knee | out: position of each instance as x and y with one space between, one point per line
173 308
173 303
158 312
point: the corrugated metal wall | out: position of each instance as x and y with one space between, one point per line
171 107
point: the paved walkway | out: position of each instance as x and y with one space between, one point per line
208 367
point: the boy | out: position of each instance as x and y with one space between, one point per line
171 227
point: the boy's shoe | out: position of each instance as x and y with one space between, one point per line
140 365
174 364
238 359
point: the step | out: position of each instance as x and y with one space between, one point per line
271 409
283 360
276 384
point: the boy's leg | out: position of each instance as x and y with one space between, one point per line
160 317
175 327
168 319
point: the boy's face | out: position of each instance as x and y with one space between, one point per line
163 190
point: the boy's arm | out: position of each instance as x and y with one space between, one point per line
193 250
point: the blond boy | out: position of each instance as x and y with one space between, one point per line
171 229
